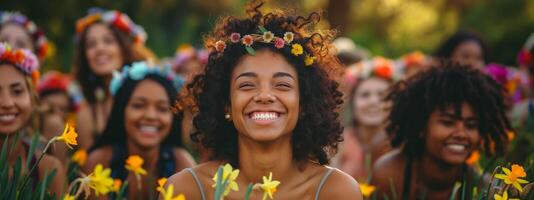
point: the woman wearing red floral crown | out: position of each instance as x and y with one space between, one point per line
20 32
106 41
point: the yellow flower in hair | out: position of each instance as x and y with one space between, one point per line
135 164
269 186
309 60
512 177
268 36
68 136
229 175
297 49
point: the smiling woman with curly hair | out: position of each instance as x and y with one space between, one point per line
267 102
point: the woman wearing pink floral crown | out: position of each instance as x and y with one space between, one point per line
20 32
267 104
106 41
19 72
365 139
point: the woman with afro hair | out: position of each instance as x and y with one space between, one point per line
438 118
267 103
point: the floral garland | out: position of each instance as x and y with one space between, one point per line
266 36
377 67
40 41
113 18
138 71
22 59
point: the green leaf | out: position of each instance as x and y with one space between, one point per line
457 186
248 191
262 29
250 50
35 141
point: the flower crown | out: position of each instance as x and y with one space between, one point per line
377 67
266 36
41 43
22 59
515 81
54 80
113 18
138 71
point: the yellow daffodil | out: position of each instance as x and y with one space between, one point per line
100 180
68 136
68 197
512 177
269 186
503 197
367 189
117 184
309 60
297 49
135 164
167 194
79 157
161 183
229 175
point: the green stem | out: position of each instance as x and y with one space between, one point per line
26 179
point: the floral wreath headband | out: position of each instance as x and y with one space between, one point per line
113 18
139 70
23 59
377 67
268 37
40 41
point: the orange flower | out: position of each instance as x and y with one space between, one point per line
248 40
220 46
510 135
135 164
79 157
68 136
473 158
117 184
383 71
513 177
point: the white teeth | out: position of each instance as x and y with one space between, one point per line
7 118
456 147
148 128
264 116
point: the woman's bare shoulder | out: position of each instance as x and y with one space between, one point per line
101 155
184 182
340 185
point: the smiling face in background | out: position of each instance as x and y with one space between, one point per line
16 36
469 53
368 104
264 96
102 50
452 138
15 100
147 117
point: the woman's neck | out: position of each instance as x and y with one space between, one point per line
366 133
258 159
436 174
149 155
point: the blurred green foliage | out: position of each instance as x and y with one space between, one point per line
386 27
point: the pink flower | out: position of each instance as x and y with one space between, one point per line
248 40
220 46
235 37
279 43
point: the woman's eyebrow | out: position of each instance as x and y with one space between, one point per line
246 74
283 74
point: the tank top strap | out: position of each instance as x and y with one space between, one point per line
197 181
323 181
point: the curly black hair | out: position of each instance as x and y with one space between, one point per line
446 49
447 84
318 130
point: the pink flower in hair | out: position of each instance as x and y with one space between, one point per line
235 37
279 43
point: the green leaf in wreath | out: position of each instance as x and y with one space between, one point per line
250 50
